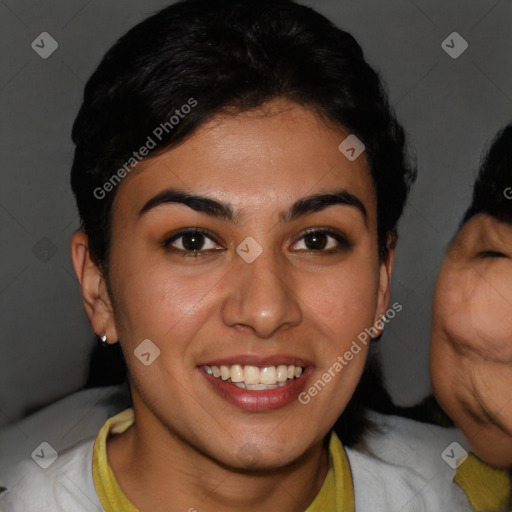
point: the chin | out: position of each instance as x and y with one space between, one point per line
258 462
252 456
496 451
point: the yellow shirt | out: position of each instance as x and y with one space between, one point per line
336 494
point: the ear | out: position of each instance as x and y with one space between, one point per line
385 272
97 303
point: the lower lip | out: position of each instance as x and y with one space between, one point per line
260 400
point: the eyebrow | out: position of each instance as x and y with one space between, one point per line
221 210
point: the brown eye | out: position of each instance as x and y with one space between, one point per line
316 241
323 241
193 241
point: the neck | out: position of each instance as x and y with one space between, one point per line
153 465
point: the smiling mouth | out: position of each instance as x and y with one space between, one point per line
254 378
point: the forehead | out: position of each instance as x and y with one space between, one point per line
484 227
260 158
481 232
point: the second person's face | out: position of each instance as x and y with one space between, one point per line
471 351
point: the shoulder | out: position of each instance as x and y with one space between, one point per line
64 486
401 467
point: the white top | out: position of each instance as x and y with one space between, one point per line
66 486
405 473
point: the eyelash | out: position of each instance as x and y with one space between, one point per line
188 254
490 254
344 243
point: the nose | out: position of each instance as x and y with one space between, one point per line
262 296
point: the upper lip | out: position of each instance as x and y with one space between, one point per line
258 360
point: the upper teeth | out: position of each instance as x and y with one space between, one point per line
254 375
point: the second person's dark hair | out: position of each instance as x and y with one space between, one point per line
492 191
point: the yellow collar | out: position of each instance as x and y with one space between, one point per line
487 488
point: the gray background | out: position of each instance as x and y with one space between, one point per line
450 108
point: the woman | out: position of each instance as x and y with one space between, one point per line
239 176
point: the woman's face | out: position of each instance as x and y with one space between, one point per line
471 351
262 293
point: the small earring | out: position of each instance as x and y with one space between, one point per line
103 339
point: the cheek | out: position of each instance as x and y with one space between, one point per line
490 313
455 301
344 300
444 363
340 305
475 310
156 304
